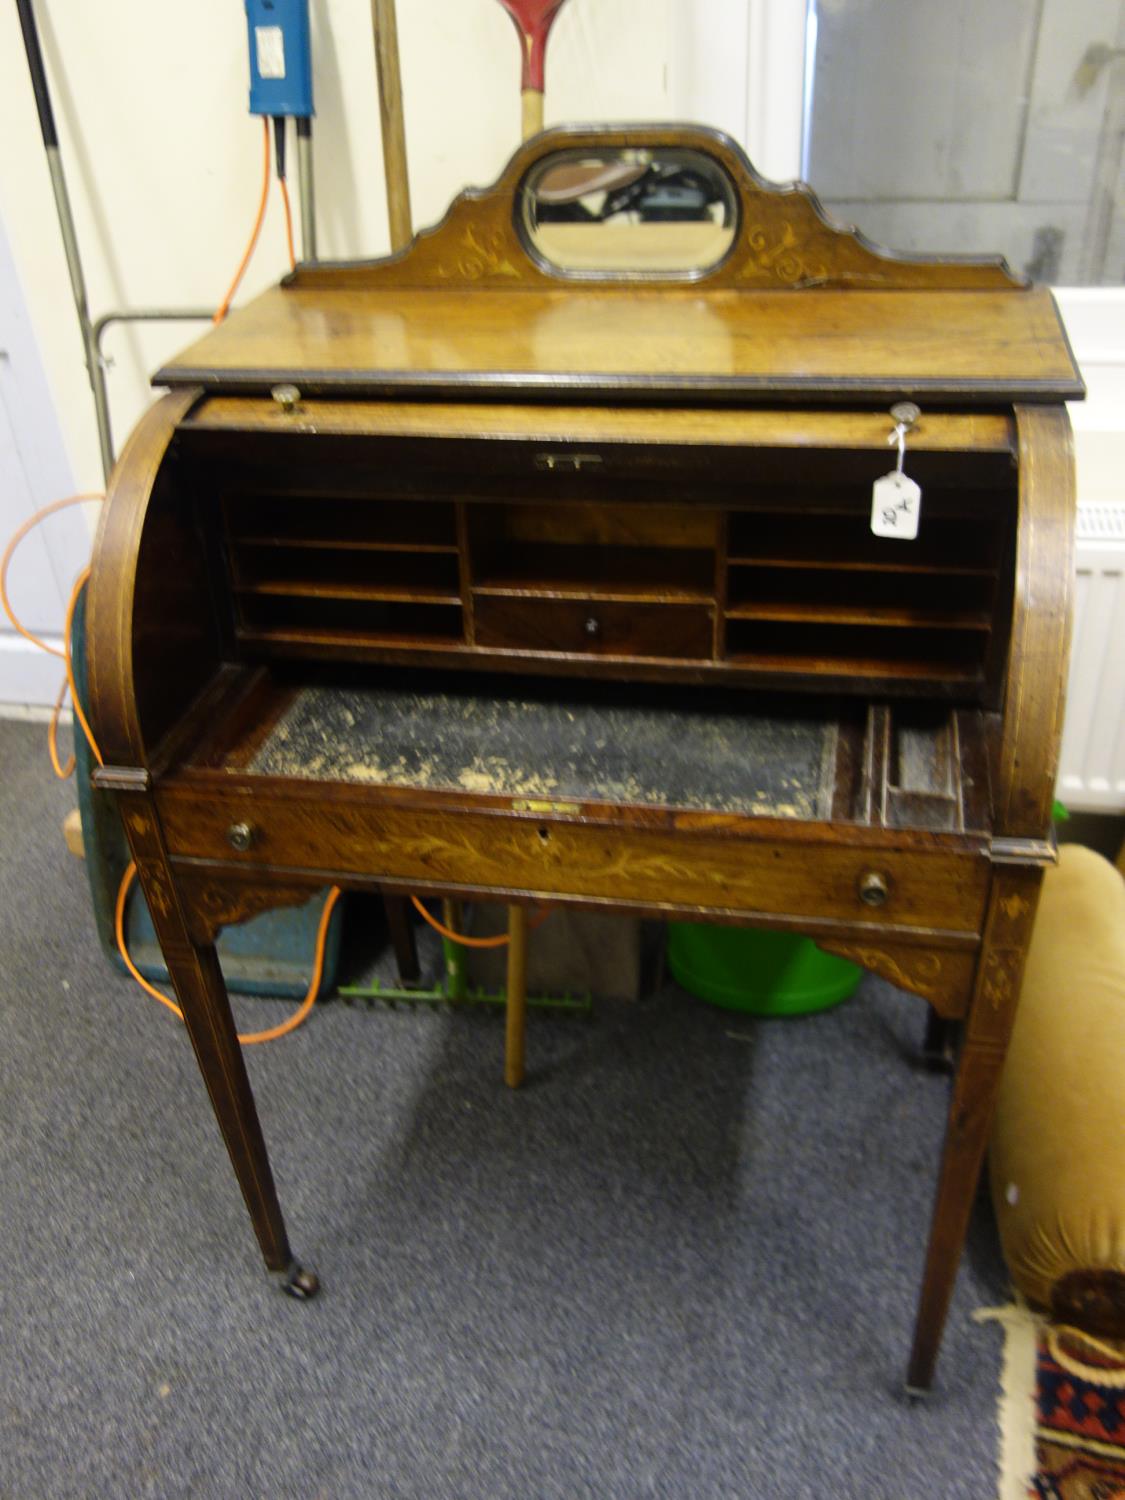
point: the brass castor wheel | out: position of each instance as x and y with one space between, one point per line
300 1283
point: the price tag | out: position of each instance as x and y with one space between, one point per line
896 501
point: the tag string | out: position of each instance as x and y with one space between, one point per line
899 436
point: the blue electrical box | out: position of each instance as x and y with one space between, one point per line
280 60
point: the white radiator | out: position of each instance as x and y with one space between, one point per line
1092 772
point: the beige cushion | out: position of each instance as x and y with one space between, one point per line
1057 1158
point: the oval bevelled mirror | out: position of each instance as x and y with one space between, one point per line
659 211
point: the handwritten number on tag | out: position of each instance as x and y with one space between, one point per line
895 503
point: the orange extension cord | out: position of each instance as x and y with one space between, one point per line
69 684
249 1038
501 940
224 305
251 244
17 537
61 771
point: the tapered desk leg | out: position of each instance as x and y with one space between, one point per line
193 967
517 997
202 993
1015 894
970 1115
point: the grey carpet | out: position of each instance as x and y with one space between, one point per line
681 1263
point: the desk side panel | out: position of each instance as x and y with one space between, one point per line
154 640
1035 696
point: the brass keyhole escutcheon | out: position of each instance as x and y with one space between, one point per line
873 888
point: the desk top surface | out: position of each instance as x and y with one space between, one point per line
952 345
557 747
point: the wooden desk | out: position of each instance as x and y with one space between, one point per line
544 588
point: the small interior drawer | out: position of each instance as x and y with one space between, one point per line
595 627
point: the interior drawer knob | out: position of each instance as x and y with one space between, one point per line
873 888
240 836
593 625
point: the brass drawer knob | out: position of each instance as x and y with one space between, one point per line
240 836
288 397
873 888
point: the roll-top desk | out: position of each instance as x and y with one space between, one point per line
499 569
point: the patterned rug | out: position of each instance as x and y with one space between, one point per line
1080 1424
1062 1412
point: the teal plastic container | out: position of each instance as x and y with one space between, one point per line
763 973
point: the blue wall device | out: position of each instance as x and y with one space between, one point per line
280 61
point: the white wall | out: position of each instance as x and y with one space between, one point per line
163 160
1095 322
163 164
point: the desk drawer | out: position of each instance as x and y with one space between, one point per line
699 867
595 627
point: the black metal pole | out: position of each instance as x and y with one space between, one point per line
66 224
38 73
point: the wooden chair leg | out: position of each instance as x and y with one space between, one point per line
516 1010
401 929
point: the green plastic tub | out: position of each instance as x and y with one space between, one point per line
764 973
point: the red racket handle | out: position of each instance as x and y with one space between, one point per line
533 19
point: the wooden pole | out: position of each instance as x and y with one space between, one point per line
394 126
516 1015
456 973
531 115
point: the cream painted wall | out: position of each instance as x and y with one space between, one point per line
163 160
